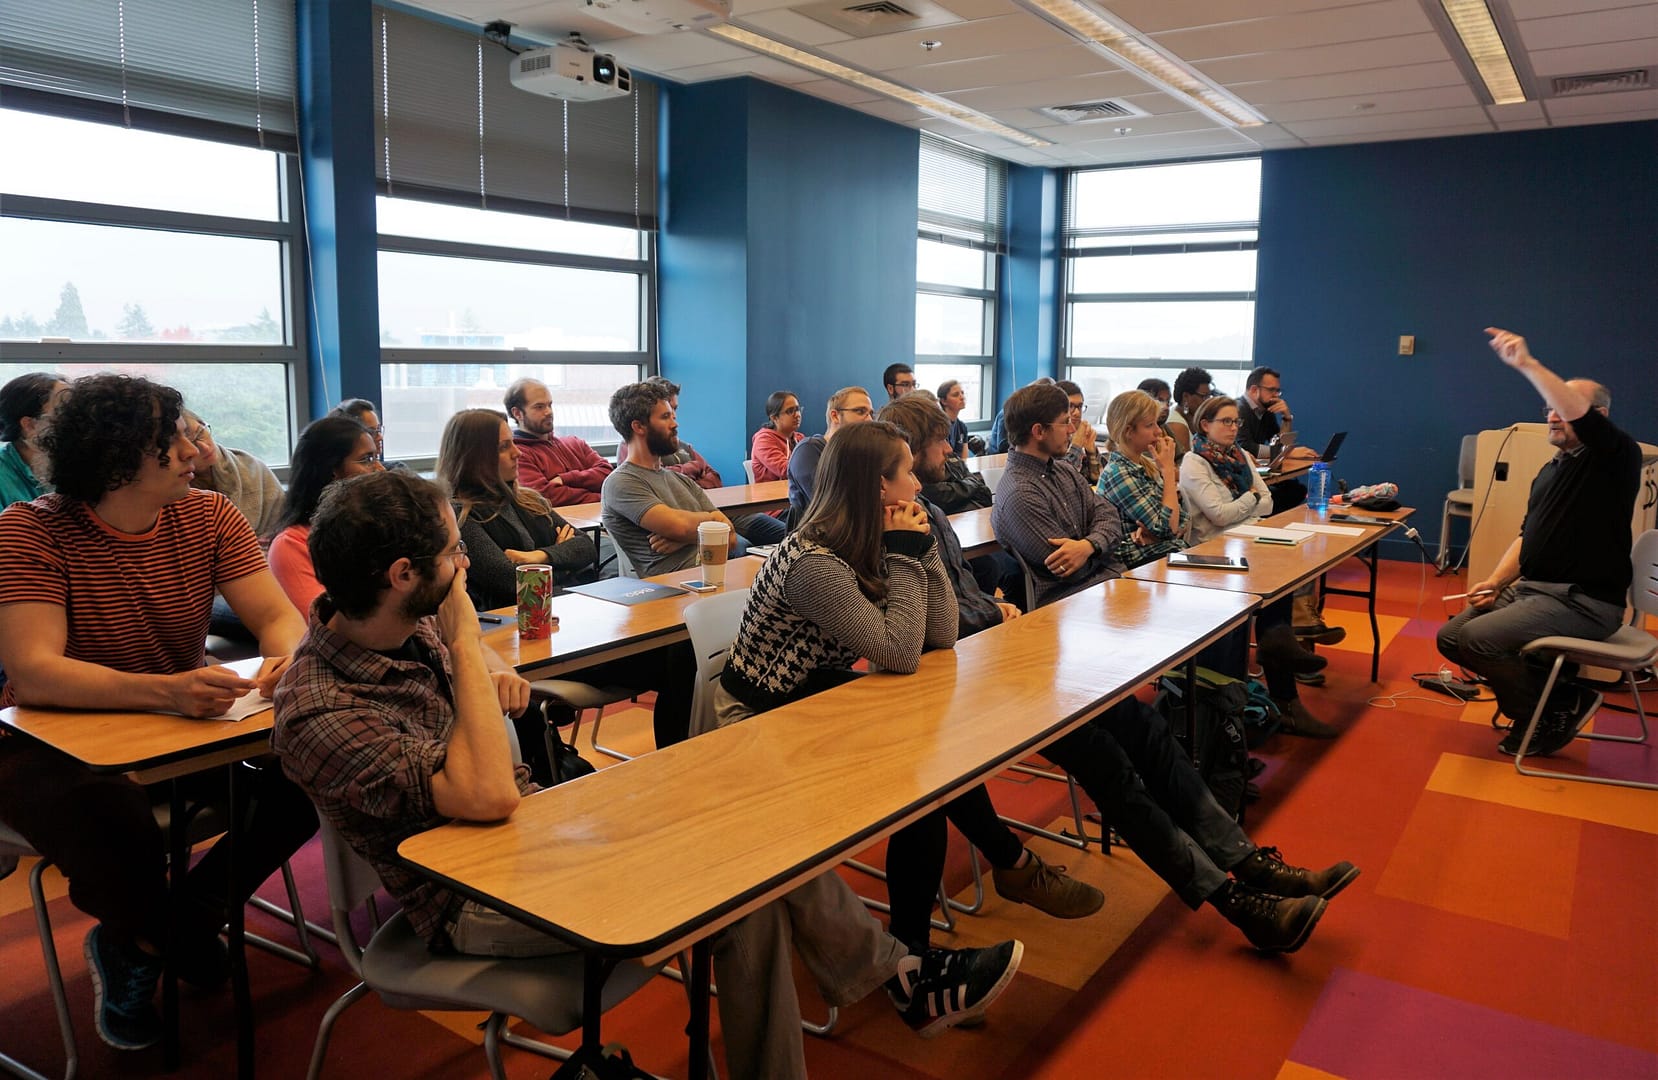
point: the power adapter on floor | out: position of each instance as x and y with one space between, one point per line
1449 687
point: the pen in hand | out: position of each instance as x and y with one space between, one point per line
1465 595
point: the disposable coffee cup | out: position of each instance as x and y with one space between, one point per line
713 548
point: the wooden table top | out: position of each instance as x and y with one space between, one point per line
591 631
153 745
1274 569
974 531
986 461
652 854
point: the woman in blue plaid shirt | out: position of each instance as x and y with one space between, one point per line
1140 479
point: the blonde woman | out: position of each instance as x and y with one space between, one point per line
1141 481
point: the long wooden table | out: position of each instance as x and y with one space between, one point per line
974 531
658 853
152 747
1277 570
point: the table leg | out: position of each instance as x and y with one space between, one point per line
1375 631
178 863
700 977
242 996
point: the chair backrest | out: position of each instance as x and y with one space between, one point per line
1465 461
712 624
748 468
351 882
1030 579
1644 592
624 565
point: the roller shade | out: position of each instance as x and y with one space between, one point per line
963 195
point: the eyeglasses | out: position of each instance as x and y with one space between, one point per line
458 550
377 431
861 410
367 459
905 384
1229 421
792 411
200 434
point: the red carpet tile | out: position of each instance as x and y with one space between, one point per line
1498 929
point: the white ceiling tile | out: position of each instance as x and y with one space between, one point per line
1613 56
1155 16
985 37
888 109
1140 127
977 9
1629 101
1328 59
1524 124
1396 136
1591 28
1404 101
1270 136
1523 110
789 26
968 74
760 66
1613 118
1361 124
1538 9
1217 138
1350 83
1390 18
1033 95
669 52
838 92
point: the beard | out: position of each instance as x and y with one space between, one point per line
931 475
661 445
425 601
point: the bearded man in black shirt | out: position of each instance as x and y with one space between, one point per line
1569 569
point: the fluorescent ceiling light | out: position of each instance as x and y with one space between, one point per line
1473 23
1139 56
943 108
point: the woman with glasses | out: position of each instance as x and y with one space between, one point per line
774 442
365 413
237 475
1221 488
330 449
504 525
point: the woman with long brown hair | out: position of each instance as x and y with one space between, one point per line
503 525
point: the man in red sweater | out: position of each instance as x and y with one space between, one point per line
563 468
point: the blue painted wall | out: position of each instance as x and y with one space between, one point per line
787 255
1028 317
1553 234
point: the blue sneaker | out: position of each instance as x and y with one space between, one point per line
123 991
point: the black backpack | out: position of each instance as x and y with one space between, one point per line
1222 747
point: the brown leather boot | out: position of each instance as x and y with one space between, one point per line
1298 721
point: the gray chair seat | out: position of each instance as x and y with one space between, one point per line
1629 648
579 695
1460 497
543 990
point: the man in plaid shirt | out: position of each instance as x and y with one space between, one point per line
391 720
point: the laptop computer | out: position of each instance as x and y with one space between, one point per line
1288 442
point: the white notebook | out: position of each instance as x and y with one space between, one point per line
1333 530
1274 536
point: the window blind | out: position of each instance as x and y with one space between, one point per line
963 195
450 126
222 69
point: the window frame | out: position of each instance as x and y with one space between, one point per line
1071 251
644 360
287 230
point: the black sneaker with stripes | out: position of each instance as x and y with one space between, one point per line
945 987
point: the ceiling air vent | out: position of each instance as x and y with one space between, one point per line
1605 82
874 18
879 9
1084 111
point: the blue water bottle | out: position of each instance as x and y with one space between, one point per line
1318 487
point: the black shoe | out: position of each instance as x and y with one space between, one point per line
1294 719
1273 924
1322 634
1267 871
1556 730
1310 678
123 991
953 986
1278 648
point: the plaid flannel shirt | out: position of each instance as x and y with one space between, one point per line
362 733
1139 501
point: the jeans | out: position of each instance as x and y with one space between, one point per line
1489 642
1147 788
671 671
1230 654
915 860
761 528
100 831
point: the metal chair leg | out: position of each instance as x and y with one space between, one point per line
54 980
1537 714
320 1050
598 716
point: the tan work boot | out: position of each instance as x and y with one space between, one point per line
1047 889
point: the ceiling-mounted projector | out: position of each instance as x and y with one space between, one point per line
573 71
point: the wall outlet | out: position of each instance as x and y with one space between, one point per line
1407 344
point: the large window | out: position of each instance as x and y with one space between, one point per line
153 254
959 241
1160 274
516 237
